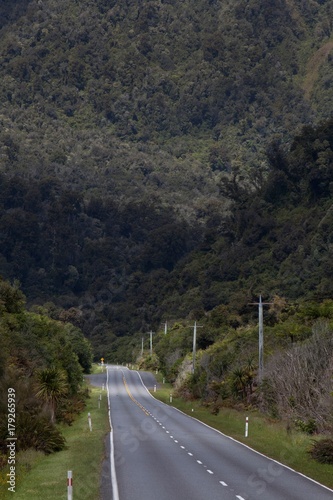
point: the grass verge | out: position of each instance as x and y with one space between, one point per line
97 368
266 436
47 477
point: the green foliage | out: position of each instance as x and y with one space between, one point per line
102 239
52 387
67 410
149 363
309 427
39 433
41 365
132 93
322 451
152 169
12 299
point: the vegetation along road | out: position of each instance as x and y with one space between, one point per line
159 452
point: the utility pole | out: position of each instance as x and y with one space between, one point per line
195 326
261 336
165 327
142 346
151 342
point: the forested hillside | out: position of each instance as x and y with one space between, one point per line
154 161
132 98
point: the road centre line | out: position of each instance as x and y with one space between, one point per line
168 432
223 483
133 399
239 497
113 471
236 441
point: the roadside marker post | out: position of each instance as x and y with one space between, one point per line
154 388
89 422
246 427
69 485
170 398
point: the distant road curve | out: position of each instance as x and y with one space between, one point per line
159 453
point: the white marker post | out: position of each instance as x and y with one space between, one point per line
154 388
89 422
247 427
69 485
170 398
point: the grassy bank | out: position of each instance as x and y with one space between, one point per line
266 436
47 477
96 368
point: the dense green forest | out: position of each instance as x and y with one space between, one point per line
166 161
42 362
134 98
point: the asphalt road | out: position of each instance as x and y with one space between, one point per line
158 453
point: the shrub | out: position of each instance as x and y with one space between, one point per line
39 433
322 451
70 408
310 426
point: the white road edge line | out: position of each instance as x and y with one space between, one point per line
114 483
223 483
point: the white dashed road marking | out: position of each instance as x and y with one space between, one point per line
191 455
